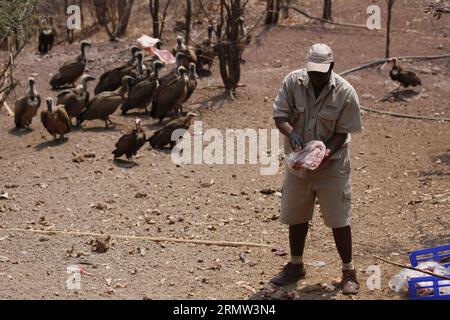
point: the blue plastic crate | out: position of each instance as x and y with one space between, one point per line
434 254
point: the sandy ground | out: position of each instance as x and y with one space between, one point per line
399 165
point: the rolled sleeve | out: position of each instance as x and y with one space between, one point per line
350 118
284 101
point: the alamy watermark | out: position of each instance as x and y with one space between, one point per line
232 147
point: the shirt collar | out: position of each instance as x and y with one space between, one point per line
304 79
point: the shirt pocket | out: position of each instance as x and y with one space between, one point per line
298 118
326 123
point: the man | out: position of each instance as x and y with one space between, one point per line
317 104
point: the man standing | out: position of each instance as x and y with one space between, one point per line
317 104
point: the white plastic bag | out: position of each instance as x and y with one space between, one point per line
399 282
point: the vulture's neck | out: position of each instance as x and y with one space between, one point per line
31 90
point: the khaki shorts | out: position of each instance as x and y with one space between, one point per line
330 184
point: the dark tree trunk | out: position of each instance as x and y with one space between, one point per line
188 21
154 12
273 11
124 14
390 4
327 10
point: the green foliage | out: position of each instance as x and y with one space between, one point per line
16 17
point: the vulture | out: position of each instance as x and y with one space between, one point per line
130 143
26 108
192 83
140 72
406 78
56 121
75 100
112 79
244 37
187 50
163 137
170 95
141 95
205 51
46 39
71 70
181 60
103 105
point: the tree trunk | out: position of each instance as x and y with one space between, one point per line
276 14
390 4
154 12
187 36
273 11
124 14
269 12
327 12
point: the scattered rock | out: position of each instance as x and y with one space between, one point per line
317 264
207 184
11 186
100 245
4 196
4 259
268 191
140 195
279 252
43 221
100 206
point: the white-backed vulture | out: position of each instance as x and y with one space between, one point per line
161 138
130 143
205 51
55 120
103 105
170 96
26 107
70 71
187 50
112 79
141 95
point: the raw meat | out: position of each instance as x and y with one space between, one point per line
309 157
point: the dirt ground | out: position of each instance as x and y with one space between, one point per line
401 177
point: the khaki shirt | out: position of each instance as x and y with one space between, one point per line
336 110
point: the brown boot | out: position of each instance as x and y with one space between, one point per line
291 274
349 283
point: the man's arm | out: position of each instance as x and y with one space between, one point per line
295 139
335 143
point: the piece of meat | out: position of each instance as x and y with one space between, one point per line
309 157
149 44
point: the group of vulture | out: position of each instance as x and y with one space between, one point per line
137 84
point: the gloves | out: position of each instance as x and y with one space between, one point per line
296 141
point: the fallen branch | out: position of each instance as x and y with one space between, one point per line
8 109
382 61
221 87
359 26
142 238
407 116
412 268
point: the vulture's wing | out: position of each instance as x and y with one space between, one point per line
62 116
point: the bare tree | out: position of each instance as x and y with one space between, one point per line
114 16
327 12
390 4
157 21
229 41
